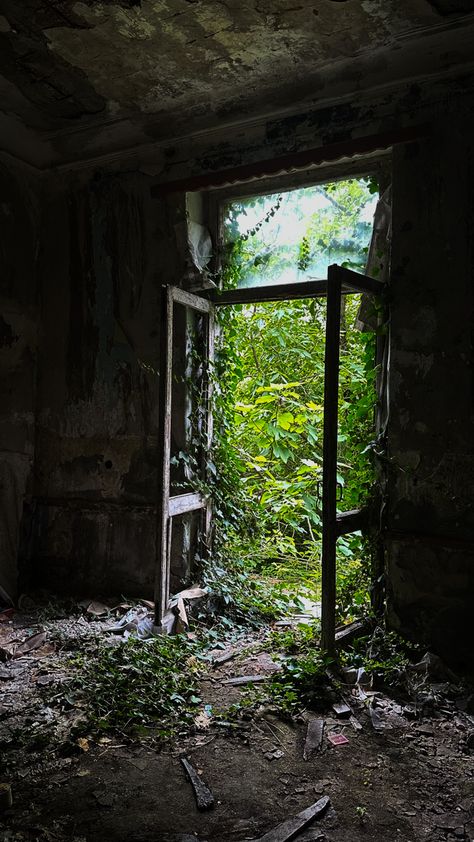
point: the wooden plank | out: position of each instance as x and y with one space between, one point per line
242 680
331 391
188 299
206 525
352 630
314 737
352 521
356 281
202 793
182 503
275 292
164 445
291 827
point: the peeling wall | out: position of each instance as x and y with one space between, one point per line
430 542
106 249
19 219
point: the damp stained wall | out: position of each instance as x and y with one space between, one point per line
19 231
430 468
105 254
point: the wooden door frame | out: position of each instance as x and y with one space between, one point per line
339 281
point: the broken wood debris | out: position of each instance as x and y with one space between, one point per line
244 679
342 710
202 793
314 737
222 659
291 827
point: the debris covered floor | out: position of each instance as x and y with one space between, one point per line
406 774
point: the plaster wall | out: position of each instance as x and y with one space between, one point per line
105 253
19 229
430 524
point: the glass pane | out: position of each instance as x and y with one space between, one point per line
294 236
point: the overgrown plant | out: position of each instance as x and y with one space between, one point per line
269 398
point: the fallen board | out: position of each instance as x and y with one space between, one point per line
291 827
314 737
245 679
203 795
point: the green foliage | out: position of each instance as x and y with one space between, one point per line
383 654
298 639
302 682
246 598
270 389
139 683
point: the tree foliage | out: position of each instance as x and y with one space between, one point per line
270 381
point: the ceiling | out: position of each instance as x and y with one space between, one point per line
78 79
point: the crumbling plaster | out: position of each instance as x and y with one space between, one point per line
80 78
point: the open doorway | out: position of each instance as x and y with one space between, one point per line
293 399
271 359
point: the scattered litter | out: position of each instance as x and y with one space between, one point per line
202 793
204 717
337 739
275 754
244 679
31 643
357 726
291 827
97 609
342 710
314 737
192 593
357 676
6 798
378 723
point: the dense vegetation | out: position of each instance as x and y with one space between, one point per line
270 382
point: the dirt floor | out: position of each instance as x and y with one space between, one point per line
404 775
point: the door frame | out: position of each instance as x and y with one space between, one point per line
340 281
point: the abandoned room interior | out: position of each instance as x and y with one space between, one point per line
236 420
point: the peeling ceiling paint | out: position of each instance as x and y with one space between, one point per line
169 67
